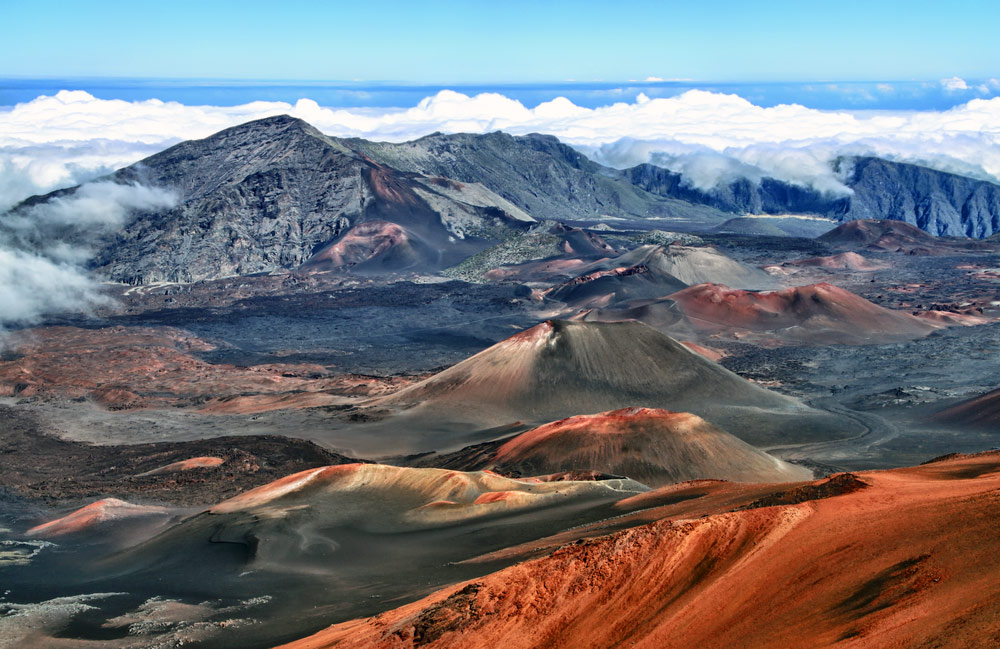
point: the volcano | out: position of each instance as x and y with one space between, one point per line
690 265
654 447
819 314
560 368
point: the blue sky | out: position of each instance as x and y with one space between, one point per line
435 42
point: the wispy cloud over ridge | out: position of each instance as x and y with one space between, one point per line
44 248
59 140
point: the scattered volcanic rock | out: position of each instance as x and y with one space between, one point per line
710 353
980 412
543 253
603 288
124 368
695 577
819 314
943 318
654 447
559 368
41 467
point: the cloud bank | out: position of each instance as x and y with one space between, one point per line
710 137
44 248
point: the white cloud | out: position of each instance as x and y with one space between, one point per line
44 248
954 84
72 136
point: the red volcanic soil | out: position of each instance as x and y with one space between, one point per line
94 514
186 465
982 411
122 368
654 447
901 558
842 261
819 314
896 236
361 243
710 353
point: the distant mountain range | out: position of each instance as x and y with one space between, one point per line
276 194
552 180
937 202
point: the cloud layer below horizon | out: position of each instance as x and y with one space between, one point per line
71 137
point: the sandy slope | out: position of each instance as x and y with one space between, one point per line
820 314
559 369
902 558
655 447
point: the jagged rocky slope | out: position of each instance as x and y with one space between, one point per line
538 173
935 201
273 193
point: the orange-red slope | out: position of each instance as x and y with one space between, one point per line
653 446
908 561
123 368
818 313
95 514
